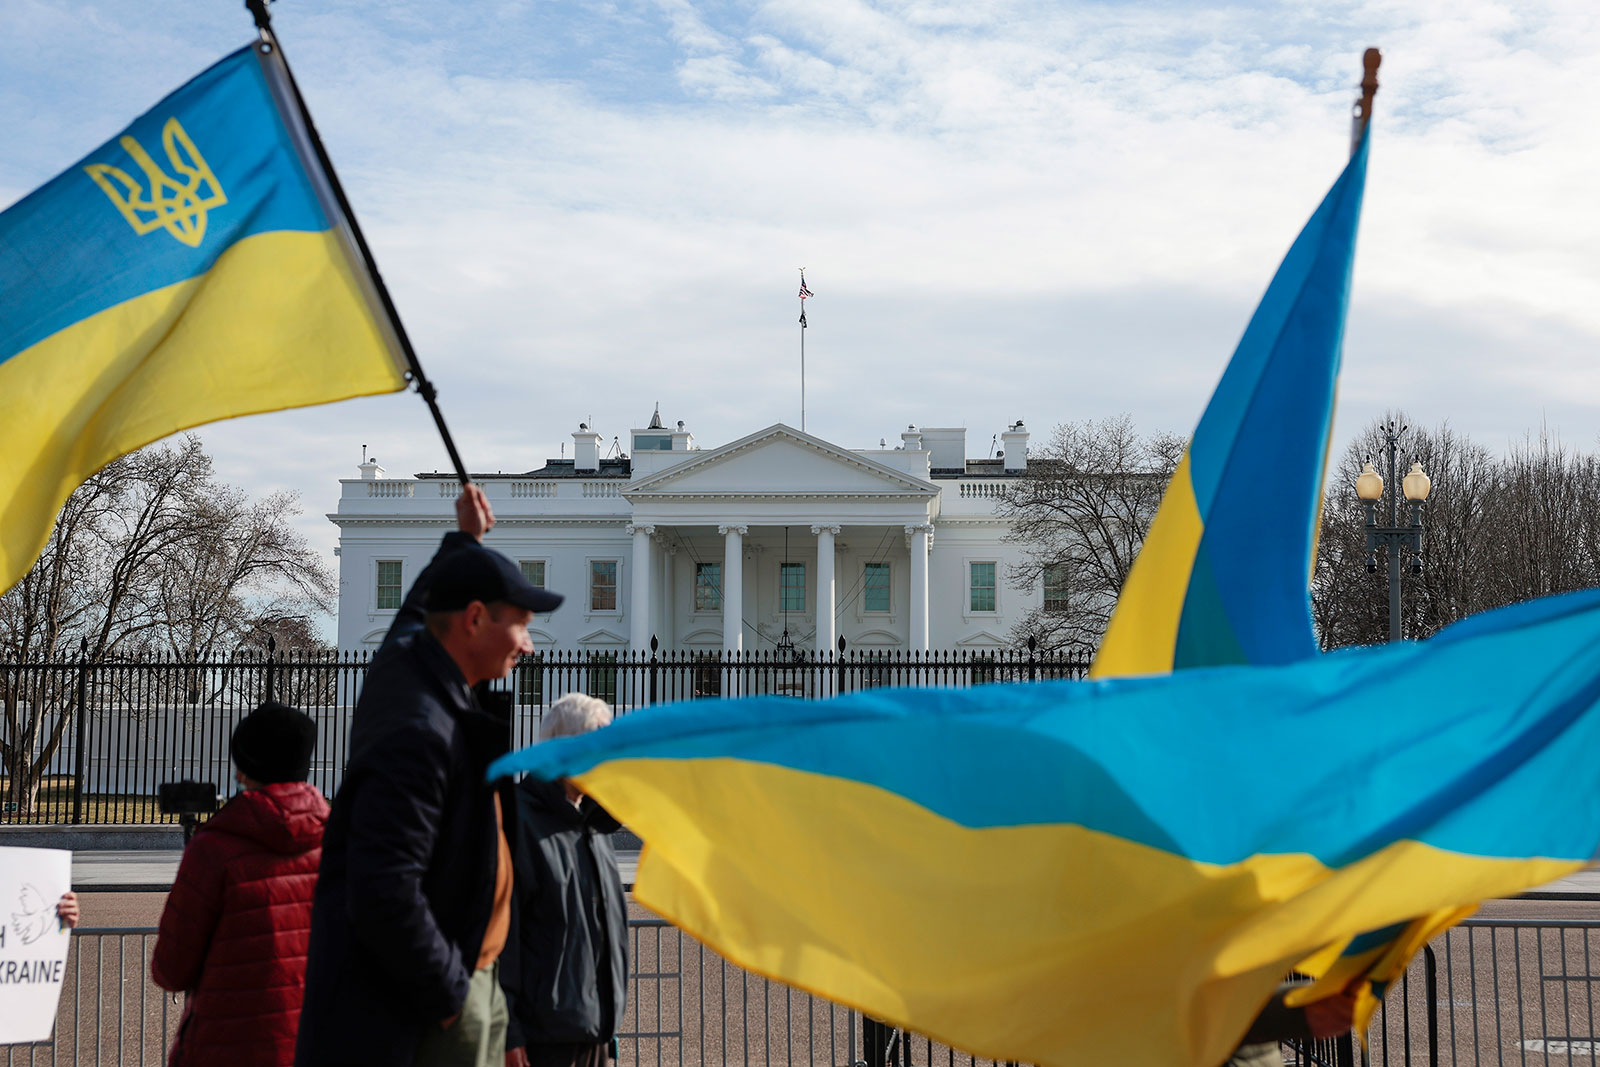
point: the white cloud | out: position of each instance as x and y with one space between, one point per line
1007 210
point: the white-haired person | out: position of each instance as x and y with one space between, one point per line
565 968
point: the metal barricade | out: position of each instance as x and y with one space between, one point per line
1486 992
110 1011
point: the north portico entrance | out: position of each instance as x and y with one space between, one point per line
780 531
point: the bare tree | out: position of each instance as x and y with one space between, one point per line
1080 513
150 554
1497 531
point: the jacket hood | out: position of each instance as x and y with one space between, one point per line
286 817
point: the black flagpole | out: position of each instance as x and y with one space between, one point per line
258 8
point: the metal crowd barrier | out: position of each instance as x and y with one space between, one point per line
1486 992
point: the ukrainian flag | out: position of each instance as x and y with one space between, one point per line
1113 872
193 268
1223 572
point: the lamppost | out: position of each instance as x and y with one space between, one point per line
1393 537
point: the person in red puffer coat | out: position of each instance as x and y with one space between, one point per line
238 919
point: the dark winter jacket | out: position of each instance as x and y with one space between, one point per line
565 970
235 926
408 864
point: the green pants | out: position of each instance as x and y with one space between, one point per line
478 1037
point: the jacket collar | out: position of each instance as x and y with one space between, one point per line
485 725
552 797
444 670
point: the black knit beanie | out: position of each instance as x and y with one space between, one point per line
274 744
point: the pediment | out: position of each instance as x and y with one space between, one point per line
877 639
780 461
983 639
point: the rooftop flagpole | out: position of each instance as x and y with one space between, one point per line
425 388
804 292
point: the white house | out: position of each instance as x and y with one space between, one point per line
731 547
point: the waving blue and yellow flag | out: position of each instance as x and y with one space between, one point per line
195 267
1223 573
1114 872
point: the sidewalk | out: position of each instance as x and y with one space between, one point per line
147 871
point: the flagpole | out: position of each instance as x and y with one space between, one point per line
425 388
1362 114
802 351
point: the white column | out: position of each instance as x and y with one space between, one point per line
666 590
917 535
825 586
733 586
639 606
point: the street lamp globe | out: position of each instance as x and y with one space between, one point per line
1369 484
1417 484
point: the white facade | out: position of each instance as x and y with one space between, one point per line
891 548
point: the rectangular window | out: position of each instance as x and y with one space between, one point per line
1055 588
600 679
602 585
981 596
875 587
530 681
388 584
533 570
792 587
708 678
708 587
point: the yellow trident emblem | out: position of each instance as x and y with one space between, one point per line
177 206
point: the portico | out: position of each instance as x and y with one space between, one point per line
784 506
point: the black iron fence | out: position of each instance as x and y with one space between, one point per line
88 742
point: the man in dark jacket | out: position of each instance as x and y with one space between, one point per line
566 967
413 899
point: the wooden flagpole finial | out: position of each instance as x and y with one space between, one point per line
1369 88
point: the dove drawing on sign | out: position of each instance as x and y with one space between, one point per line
37 916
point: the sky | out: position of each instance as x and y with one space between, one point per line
1048 211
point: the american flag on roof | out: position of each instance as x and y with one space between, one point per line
804 292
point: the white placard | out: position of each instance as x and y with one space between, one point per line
33 944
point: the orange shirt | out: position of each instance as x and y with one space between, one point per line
494 937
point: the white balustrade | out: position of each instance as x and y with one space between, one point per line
533 489
395 489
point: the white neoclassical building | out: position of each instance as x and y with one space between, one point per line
776 537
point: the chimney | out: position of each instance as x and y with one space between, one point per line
911 440
947 447
370 471
585 449
1016 446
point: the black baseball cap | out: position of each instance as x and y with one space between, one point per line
477 573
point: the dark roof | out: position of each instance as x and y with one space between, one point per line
554 468
975 468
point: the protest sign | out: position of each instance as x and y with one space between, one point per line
33 943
